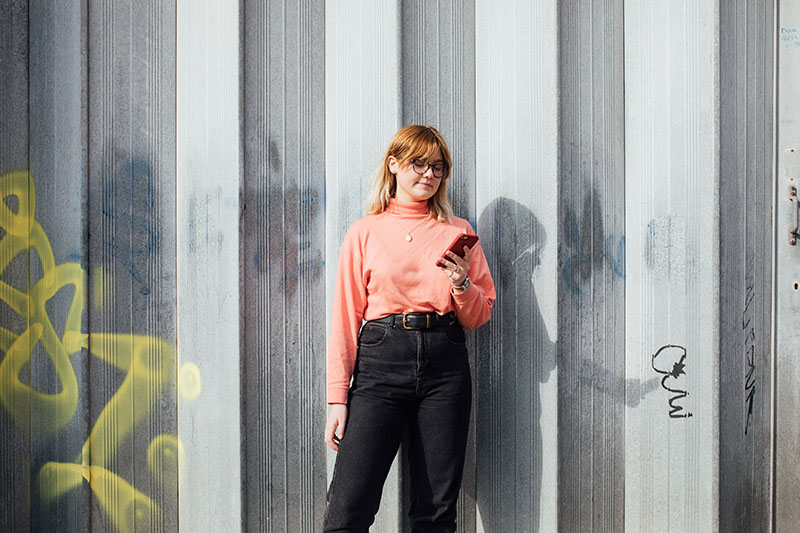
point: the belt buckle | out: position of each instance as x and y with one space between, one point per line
427 321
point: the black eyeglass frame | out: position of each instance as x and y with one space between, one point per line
415 161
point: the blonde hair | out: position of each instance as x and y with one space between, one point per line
411 142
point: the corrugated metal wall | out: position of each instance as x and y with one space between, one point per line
746 158
177 179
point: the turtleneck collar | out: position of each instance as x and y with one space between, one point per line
407 208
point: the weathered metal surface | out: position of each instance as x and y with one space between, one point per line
787 275
746 154
283 266
57 194
599 208
671 193
591 261
207 206
516 179
132 449
15 509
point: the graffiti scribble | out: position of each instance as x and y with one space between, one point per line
678 354
587 247
147 362
749 330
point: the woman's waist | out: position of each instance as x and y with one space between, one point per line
417 320
381 307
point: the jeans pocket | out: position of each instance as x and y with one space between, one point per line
372 334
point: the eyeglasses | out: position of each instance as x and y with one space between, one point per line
421 167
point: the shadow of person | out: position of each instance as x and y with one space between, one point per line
515 354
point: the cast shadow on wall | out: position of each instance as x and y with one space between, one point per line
515 355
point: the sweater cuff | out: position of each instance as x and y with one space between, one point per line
337 395
464 297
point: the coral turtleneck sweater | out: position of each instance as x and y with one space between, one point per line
381 273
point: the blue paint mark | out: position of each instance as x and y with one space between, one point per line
588 248
790 37
302 269
618 266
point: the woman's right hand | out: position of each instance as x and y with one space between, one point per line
334 427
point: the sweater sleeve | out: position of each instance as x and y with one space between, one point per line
349 301
474 305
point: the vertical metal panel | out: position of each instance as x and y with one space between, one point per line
516 178
57 196
282 266
437 50
15 512
361 116
591 260
745 212
132 448
208 138
787 275
671 138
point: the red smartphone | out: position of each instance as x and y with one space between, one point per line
457 246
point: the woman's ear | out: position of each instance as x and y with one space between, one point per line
393 164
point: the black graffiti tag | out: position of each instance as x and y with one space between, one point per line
668 382
749 330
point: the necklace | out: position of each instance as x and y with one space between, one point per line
409 238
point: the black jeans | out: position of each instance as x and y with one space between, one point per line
418 379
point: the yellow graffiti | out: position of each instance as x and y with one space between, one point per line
164 455
100 281
148 364
189 382
128 508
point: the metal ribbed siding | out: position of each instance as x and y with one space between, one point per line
787 275
591 263
671 72
437 77
103 154
14 149
516 190
745 213
98 125
208 215
131 259
59 191
282 266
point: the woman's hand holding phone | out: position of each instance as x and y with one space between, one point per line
452 264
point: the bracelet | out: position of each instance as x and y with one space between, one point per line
464 286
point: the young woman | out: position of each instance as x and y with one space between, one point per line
407 365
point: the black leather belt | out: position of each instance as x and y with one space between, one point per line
418 320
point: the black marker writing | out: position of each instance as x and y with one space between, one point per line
749 329
678 356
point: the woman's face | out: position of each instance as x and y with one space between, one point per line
412 186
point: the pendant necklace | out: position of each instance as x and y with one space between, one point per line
409 238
